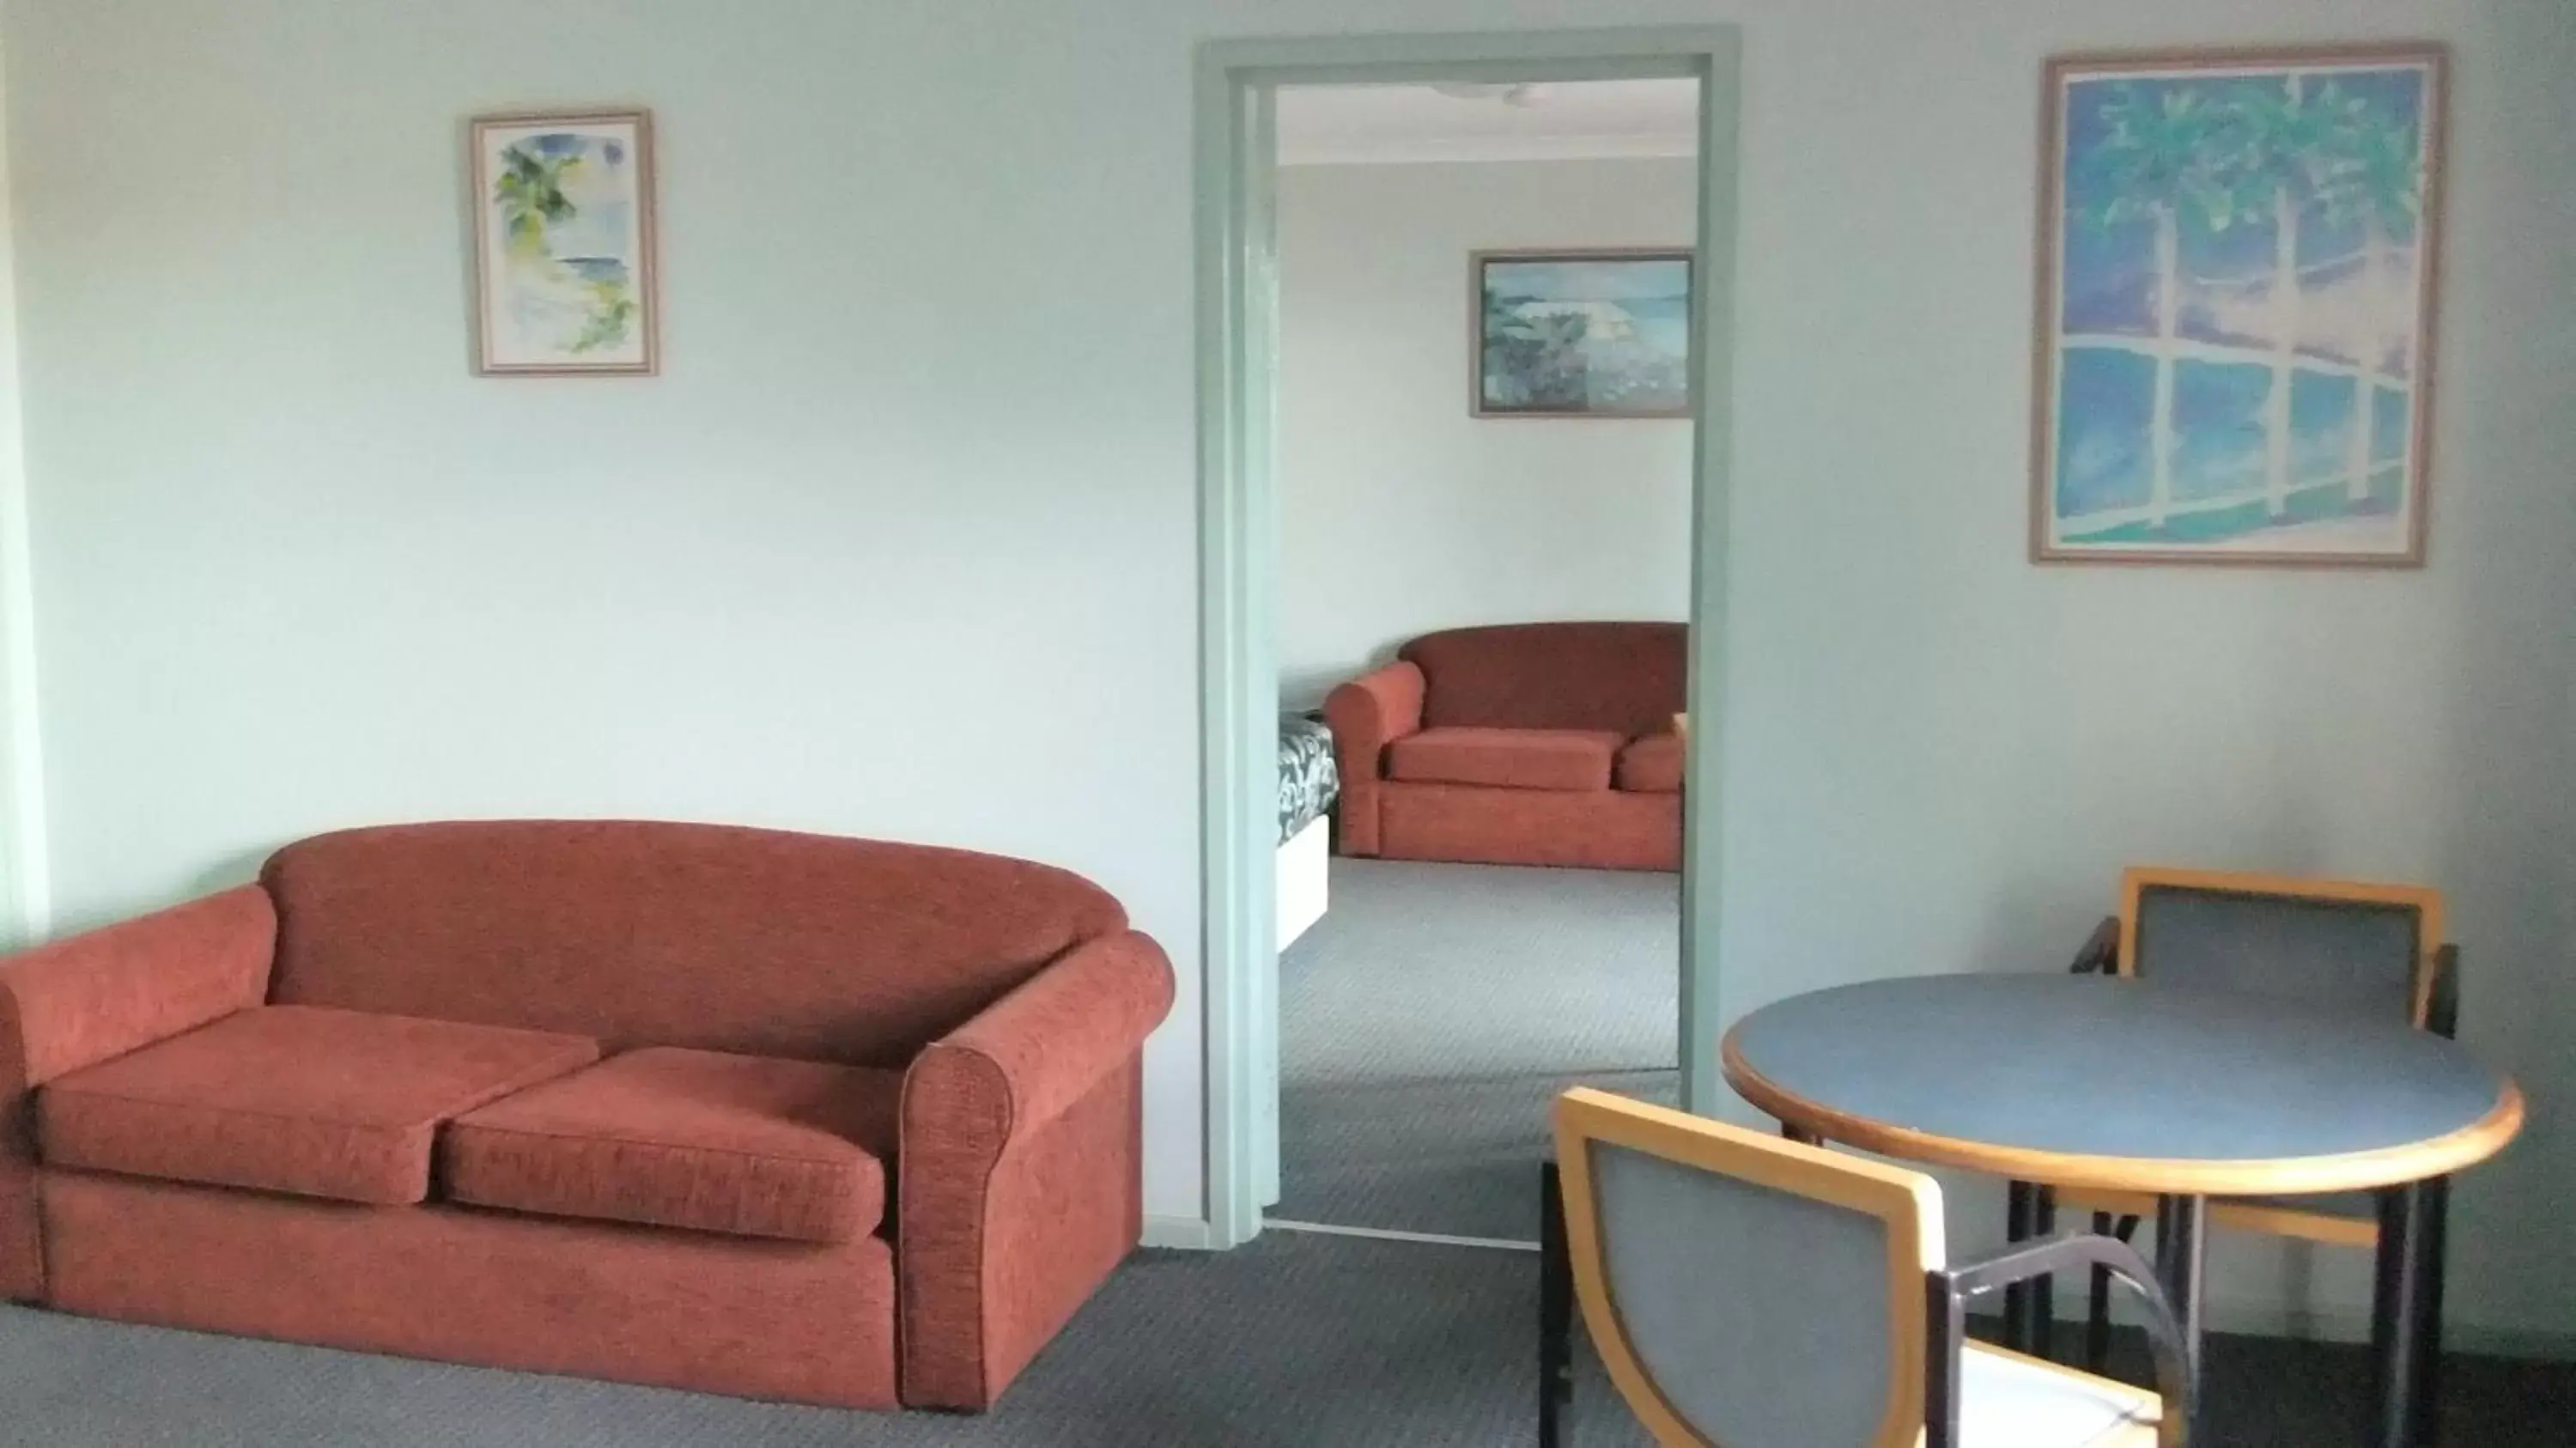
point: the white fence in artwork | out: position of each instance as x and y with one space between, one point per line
2185 349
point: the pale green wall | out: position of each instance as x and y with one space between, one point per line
903 542
1400 511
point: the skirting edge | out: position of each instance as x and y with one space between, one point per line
1180 1234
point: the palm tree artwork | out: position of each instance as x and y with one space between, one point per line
564 248
2233 337
530 194
2160 163
2380 190
536 213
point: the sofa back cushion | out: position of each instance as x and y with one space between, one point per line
1631 678
754 941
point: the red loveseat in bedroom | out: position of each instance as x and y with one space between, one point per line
770 1115
1518 744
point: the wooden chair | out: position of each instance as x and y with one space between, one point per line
2339 944
1750 1292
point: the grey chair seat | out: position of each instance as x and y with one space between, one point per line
2010 1401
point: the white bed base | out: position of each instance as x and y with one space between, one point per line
1305 875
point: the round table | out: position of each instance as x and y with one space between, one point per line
2184 1093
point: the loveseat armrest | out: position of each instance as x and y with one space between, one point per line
1031 1055
1373 711
1366 715
1019 1172
78 1002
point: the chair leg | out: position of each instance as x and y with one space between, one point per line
1555 1310
2097 1311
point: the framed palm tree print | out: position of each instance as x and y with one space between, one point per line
2237 264
564 266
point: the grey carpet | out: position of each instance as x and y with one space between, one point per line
1293 1342
1433 1014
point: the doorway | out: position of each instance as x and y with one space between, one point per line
1238 91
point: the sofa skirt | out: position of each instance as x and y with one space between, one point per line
1602 829
780 1321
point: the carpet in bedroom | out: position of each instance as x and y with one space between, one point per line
1430 1018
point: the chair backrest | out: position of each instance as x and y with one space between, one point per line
2329 942
1744 1291
763 942
1627 677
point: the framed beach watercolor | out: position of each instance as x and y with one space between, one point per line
564 273
1580 333
2237 261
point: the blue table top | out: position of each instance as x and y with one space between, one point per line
2107 1082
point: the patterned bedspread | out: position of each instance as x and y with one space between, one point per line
1308 779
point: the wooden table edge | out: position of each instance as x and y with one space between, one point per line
2248 1177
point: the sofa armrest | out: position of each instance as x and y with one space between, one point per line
77 1002
1034 1052
1019 1172
1371 712
1366 715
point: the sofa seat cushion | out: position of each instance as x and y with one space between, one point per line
1569 759
1652 765
745 1145
302 1099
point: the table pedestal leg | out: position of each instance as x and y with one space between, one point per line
1555 1309
2182 1254
2405 1311
2043 1290
2019 1200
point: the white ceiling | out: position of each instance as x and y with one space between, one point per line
1363 124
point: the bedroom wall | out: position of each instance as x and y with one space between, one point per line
1401 512
903 541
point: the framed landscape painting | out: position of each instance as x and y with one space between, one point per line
2236 300
564 273
1581 333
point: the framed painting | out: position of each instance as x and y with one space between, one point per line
564 266
1580 333
2237 262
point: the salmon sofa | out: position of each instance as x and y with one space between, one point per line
769 1115
1518 744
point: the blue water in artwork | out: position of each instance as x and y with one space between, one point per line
596 268
2237 258
1574 335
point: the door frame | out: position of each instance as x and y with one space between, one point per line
1235 161
26 885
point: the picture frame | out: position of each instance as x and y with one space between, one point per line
2237 285
566 272
1599 333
